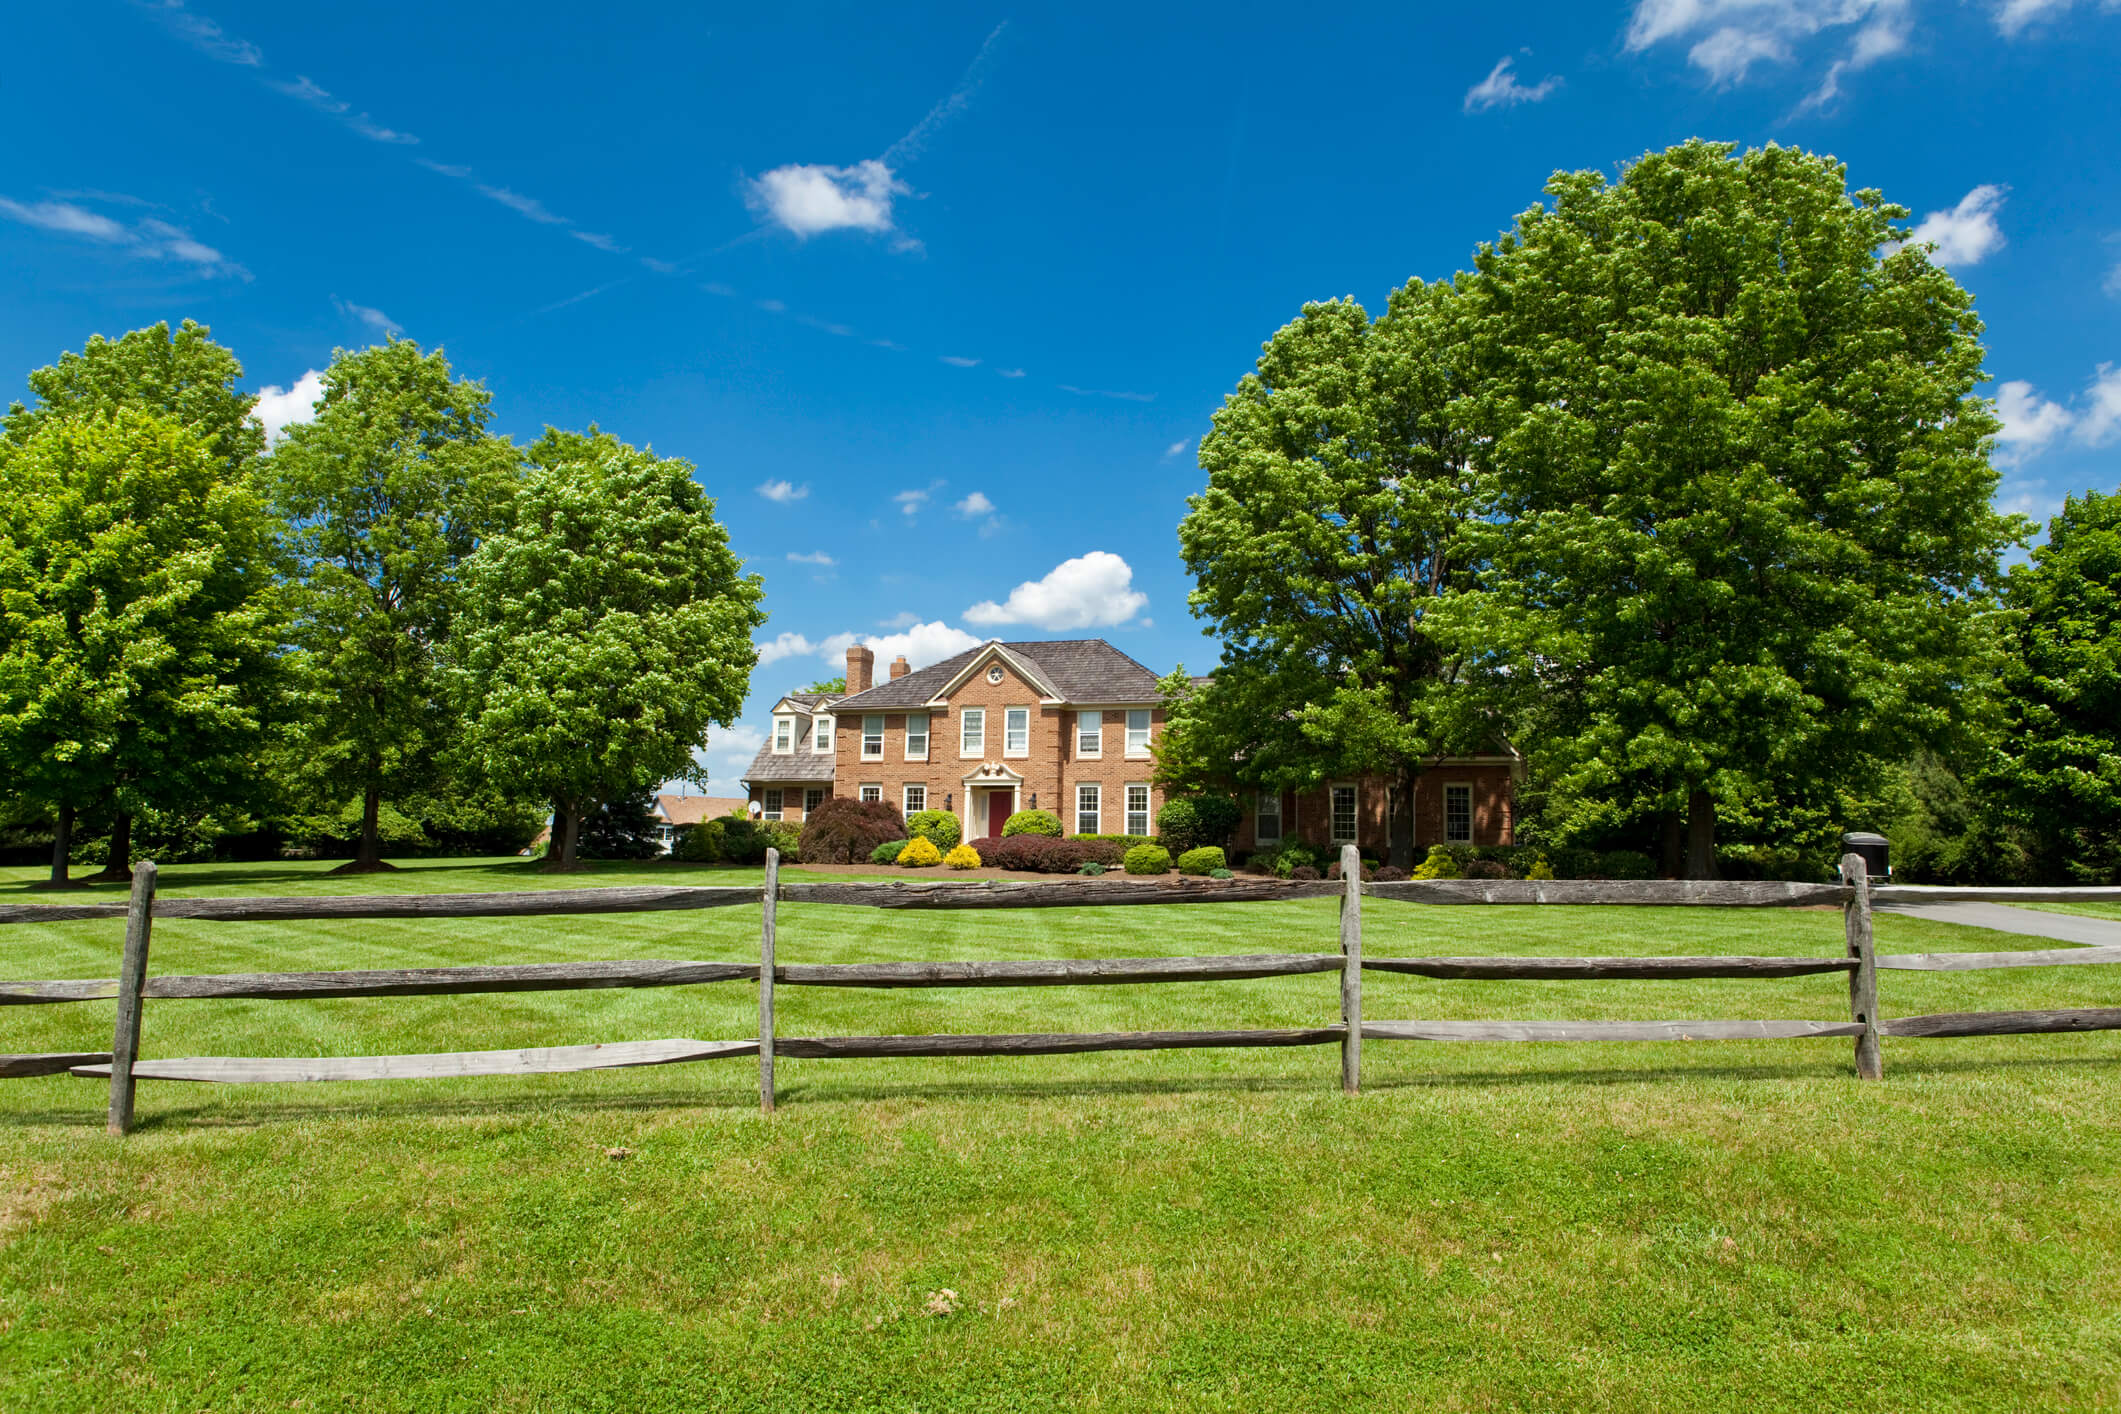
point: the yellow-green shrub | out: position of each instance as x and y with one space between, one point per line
1439 865
919 853
963 857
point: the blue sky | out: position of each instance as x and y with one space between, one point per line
939 303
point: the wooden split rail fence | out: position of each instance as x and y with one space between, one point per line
124 1067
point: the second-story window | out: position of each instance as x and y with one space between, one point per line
1138 732
783 735
873 737
1089 733
1016 731
916 736
972 731
821 740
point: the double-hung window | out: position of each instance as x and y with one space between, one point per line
783 735
1137 809
916 800
1344 815
1016 731
916 736
1138 732
821 733
812 799
872 792
972 731
1458 814
1267 821
771 805
873 737
1086 811
1089 735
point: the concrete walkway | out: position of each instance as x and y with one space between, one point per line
2003 918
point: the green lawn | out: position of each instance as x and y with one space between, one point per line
2086 910
1662 1226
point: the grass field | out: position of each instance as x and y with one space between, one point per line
1558 1227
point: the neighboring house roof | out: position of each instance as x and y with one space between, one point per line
691 809
802 764
1086 670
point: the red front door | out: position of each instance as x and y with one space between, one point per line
998 811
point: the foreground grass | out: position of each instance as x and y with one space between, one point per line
1551 1227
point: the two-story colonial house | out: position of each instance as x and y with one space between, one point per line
1069 726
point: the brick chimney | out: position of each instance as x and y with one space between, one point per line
861 668
899 668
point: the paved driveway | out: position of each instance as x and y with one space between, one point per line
2004 918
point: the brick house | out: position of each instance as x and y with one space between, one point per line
1069 726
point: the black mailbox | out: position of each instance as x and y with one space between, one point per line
1872 848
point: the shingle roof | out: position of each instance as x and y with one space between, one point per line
1080 669
802 764
691 809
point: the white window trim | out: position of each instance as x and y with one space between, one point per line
1096 812
966 751
882 732
1354 787
784 736
1258 836
809 791
1096 751
821 733
772 803
1126 814
1148 734
1448 787
927 725
906 807
1017 752
870 790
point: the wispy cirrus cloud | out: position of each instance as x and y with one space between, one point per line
150 238
374 318
305 90
1727 39
1500 89
1106 393
782 492
203 34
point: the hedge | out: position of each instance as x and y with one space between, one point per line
1147 859
938 827
1202 861
1032 822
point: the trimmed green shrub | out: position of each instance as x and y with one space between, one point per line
1093 868
1439 865
1178 823
938 827
1125 842
887 852
963 857
1148 859
1032 822
701 843
1203 861
1220 874
844 830
919 854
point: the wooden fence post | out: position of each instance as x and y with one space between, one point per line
1351 968
132 980
1863 982
772 897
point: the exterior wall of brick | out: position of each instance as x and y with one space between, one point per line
1306 815
1048 769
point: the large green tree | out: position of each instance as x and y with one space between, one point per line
184 376
389 490
1340 490
2058 758
1743 529
604 630
142 611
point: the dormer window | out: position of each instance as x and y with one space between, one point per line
783 735
821 738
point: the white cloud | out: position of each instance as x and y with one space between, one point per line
281 408
1087 591
771 306
2030 421
975 504
204 35
374 318
2014 17
149 239
730 751
810 199
1106 393
815 557
904 618
1500 89
599 240
1010 372
920 645
2101 418
1178 448
783 491
911 500
303 89
1727 38
1966 234
959 361
522 205
786 645
446 169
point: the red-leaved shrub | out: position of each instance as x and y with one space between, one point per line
843 830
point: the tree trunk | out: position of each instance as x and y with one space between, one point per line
1400 829
118 869
1673 863
368 851
62 847
1700 834
556 836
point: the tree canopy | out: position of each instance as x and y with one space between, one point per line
185 376
603 630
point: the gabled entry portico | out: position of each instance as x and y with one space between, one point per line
992 791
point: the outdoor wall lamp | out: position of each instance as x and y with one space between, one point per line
946 800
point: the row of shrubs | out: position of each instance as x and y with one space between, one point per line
1296 860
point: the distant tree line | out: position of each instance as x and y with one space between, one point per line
394 630
1684 490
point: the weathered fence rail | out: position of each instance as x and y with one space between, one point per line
123 1067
